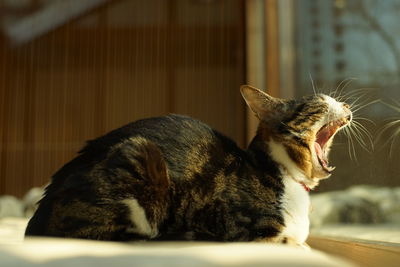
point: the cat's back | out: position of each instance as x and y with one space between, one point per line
157 129
135 162
186 144
172 133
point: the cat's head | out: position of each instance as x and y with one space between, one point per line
299 133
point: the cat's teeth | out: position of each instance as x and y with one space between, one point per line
340 122
330 169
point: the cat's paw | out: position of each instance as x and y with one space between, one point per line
293 242
305 246
287 240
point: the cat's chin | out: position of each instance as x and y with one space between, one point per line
310 183
317 176
320 170
321 174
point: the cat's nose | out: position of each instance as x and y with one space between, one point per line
346 108
346 105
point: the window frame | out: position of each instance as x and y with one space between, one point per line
270 48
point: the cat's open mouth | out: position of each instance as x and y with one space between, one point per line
323 141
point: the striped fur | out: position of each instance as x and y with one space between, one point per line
175 178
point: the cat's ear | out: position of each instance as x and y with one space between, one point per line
259 102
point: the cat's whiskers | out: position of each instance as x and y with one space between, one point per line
356 131
361 92
351 149
345 96
312 84
395 106
362 105
365 119
356 95
339 89
393 123
393 137
361 132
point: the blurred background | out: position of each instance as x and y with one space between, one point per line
71 70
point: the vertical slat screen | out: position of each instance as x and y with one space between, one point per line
121 62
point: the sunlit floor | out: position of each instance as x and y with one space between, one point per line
15 251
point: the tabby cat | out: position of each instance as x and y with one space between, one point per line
175 178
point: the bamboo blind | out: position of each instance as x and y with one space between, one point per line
128 60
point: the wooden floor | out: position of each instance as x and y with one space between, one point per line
361 252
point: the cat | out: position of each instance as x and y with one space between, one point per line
175 178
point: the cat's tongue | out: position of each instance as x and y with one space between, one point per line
322 138
320 153
322 158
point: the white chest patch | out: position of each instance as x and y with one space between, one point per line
295 205
140 224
